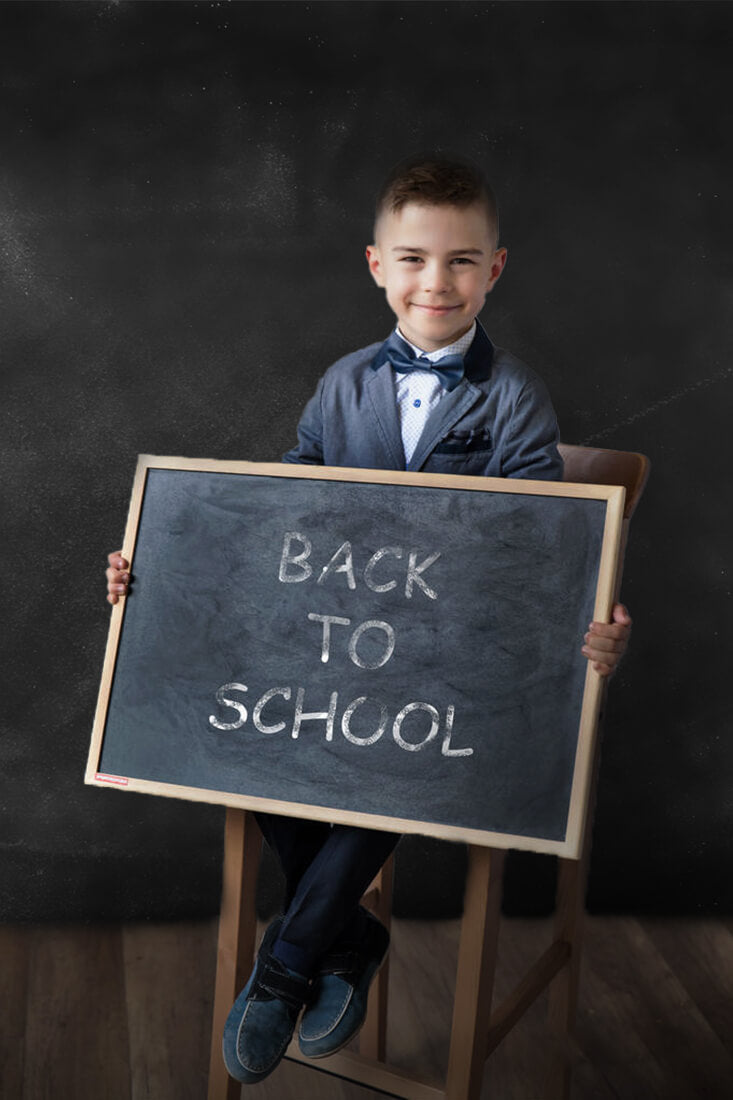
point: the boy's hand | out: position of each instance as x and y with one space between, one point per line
118 577
605 643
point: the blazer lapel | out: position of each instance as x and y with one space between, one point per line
381 391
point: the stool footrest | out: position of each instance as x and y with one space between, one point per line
373 1074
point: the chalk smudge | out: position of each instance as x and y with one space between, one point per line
701 384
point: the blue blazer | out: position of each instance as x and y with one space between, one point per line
498 422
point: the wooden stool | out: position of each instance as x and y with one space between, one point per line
476 1031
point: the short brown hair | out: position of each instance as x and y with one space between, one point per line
434 179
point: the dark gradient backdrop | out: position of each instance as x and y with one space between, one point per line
185 196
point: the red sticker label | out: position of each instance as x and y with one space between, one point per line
118 779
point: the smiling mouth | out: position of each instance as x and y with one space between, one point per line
435 309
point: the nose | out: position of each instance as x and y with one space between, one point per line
436 278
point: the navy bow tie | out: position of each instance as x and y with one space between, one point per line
449 369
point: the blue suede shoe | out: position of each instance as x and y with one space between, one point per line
338 1007
263 1017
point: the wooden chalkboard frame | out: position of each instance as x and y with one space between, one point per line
570 847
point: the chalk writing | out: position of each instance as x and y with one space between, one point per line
295 566
371 624
409 731
418 723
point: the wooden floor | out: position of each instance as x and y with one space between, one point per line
122 1012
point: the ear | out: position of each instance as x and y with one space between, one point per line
374 261
498 262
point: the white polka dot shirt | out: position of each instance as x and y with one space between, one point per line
418 392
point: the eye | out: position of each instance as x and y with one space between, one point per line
410 259
463 260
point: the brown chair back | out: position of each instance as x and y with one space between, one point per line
595 466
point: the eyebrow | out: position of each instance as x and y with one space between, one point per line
453 251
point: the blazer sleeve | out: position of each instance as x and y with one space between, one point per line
309 449
530 445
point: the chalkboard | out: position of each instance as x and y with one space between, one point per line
393 649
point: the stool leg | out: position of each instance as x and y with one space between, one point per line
237 931
373 1035
572 883
563 992
475 975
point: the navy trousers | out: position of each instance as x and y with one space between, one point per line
327 869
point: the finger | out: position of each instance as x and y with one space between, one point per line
600 644
116 560
620 614
598 655
619 617
116 576
117 584
610 630
603 661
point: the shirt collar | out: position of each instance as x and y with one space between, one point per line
459 347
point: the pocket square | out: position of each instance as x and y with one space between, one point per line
464 442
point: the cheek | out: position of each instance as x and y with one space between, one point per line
397 287
480 289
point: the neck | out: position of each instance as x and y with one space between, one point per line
449 344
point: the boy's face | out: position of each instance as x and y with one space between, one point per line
436 264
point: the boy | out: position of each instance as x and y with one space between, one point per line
435 396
